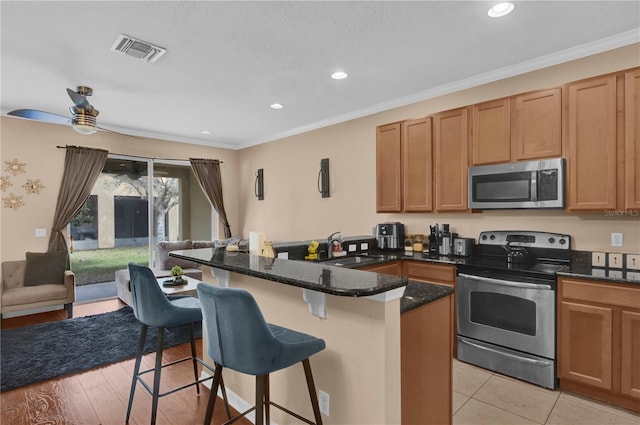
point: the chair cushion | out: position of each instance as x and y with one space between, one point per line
45 268
41 293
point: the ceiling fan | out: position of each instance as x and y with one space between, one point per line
83 114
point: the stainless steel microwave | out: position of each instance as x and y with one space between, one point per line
533 184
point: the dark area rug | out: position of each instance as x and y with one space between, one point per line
48 350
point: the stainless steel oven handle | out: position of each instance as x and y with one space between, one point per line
502 353
511 283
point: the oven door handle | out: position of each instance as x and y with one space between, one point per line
502 353
511 283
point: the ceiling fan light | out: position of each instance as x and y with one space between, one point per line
84 124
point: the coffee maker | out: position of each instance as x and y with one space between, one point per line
390 236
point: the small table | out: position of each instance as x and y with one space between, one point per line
189 288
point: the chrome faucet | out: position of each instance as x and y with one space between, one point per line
334 238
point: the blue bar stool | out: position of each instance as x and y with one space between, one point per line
152 308
239 338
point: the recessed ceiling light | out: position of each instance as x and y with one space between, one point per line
276 106
205 132
500 9
339 75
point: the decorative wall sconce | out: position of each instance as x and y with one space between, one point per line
259 184
13 201
5 183
323 178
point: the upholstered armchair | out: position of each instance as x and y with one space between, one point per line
21 289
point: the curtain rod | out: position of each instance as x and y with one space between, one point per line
135 156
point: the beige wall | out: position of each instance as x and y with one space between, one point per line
293 208
35 144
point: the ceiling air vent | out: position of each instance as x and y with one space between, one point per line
137 48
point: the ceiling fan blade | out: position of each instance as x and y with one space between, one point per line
34 114
79 100
117 132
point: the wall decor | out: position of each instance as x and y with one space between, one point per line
323 178
5 183
33 186
259 184
13 201
15 167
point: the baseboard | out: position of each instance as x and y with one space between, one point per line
234 399
19 313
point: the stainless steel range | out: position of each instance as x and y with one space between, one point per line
506 307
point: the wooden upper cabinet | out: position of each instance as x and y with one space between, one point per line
389 168
536 125
417 166
632 140
590 133
490 133
450 139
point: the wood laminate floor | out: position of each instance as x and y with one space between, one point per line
100 396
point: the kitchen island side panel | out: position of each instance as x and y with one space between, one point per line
359 369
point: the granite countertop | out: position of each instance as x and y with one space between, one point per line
309 275
420 293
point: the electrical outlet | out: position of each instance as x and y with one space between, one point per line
616 239
598 272
615 260
323 401
352 247
633 261
615 274
598 259
633 275
364 246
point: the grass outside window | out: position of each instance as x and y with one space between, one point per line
100 265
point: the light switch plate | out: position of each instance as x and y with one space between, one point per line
352 247
598 272
41 233
633 261
364 246
616 239
598 259
633 275
615 260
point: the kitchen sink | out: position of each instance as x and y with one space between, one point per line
351 261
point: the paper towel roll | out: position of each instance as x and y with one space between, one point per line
256 242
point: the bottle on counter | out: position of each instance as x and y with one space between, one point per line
408 245
417 243
425 244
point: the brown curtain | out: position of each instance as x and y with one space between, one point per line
207 172
82 166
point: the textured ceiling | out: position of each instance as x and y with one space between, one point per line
228 61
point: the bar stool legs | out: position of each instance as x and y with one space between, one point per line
263 401
157 372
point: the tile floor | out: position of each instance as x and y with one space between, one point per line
482 397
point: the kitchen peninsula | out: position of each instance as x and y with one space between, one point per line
357 313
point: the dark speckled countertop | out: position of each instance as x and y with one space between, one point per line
309 275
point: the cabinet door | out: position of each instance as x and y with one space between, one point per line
632 139
491 133
429 272
451 159
536 125
388 168
585 344
591 140
630 368
417 168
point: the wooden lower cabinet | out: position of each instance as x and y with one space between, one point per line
394 268
426 337
599 340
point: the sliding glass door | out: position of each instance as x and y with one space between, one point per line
135 204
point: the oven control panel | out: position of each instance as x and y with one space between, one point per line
525 239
